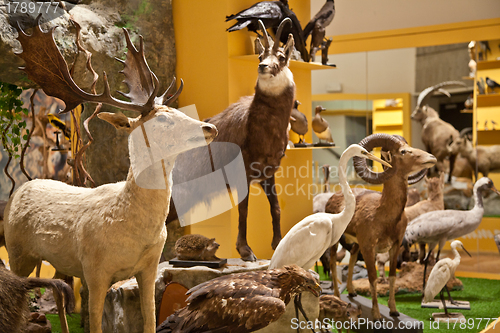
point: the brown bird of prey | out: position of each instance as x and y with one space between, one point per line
317 25
298 121
242 302
320 126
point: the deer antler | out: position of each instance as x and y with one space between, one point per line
46 66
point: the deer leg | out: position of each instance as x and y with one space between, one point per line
369 256
352 261
244 250
146 281
61 311
97 292
452 164
268 186
333 269
393 253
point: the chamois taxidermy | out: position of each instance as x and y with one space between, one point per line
14 300
114 231
436 133
258 125
379 222
482 159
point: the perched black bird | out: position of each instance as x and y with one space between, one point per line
317 26
271 13
242 302
492 84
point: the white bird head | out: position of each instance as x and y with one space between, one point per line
357 150
484 184
457 243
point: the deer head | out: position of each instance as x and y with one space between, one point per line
422 110
46 66
274 74
411 162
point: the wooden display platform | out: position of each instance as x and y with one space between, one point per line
437 304
191 263
366 323
455 317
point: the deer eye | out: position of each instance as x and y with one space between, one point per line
281 58
403 151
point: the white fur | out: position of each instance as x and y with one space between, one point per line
275 85
101 235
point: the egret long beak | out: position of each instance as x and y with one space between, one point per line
372 157
494 189
466 250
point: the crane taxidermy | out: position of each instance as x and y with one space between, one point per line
378 223
438 227
240 303
258 125
308 240
114 231
441 273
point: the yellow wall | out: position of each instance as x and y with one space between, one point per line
216 72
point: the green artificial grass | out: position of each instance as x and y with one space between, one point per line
73 323
483 295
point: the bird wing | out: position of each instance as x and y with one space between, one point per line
432 226
304 244
261 10
325 15
438 278
239 302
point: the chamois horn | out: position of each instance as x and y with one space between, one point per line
277 37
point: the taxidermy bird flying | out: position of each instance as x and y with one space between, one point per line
271 13
317 25
59 124
298 121
242 302
320 126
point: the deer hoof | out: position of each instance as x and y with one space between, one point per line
353 294
246 253
394 314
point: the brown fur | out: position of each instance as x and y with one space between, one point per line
413 197
14 310
379 222
258 124
434 200
196 247
333 308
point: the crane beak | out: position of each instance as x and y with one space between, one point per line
466 251
494 189
372 157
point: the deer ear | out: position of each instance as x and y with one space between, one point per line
118 120
259 48
289 46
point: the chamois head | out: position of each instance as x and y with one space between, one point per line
411 162
46 66
422 110
274 74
